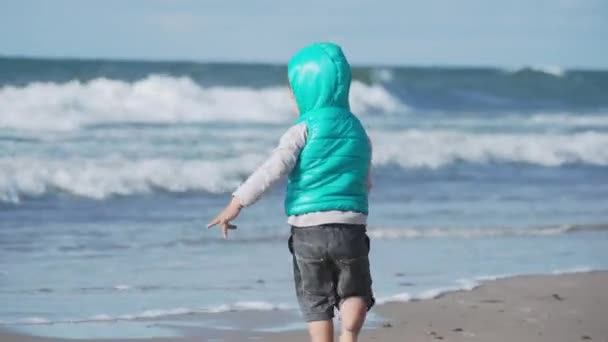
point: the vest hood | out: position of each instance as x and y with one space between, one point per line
319 77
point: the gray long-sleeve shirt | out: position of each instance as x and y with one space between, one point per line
280 163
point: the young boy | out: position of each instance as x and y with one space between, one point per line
326 156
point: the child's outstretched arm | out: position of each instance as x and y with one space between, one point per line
280 163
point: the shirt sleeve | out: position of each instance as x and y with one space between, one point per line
280 163
369 172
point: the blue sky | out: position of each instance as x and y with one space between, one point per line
507 33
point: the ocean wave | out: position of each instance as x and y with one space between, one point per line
472 233
437 148
553 70
157 313
99 179
35 321
535 87
159 99
117 175
577 269
569 120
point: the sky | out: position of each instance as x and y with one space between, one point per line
506 33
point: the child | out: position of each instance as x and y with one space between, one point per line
326 156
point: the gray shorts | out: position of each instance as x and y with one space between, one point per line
330 264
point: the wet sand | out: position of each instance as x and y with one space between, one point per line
552 308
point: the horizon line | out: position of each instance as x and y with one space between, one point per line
284 64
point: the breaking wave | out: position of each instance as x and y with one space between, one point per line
111 175
434 149
99 179
159 99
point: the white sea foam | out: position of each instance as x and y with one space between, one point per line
472 233
434 149
554 70
123 287
466 285
259 305
100 179
493 277
570 120
116 175
36 321
157 313
160 313
101 318
373 98
158 99
461 285
249 305
578 269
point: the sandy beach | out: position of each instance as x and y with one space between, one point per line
556 308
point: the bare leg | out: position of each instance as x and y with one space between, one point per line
321 331
352 312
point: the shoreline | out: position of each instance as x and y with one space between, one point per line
545 307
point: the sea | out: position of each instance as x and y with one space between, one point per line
110 171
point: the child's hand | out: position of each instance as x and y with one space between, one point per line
229 213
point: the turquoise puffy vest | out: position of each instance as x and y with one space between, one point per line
331 172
